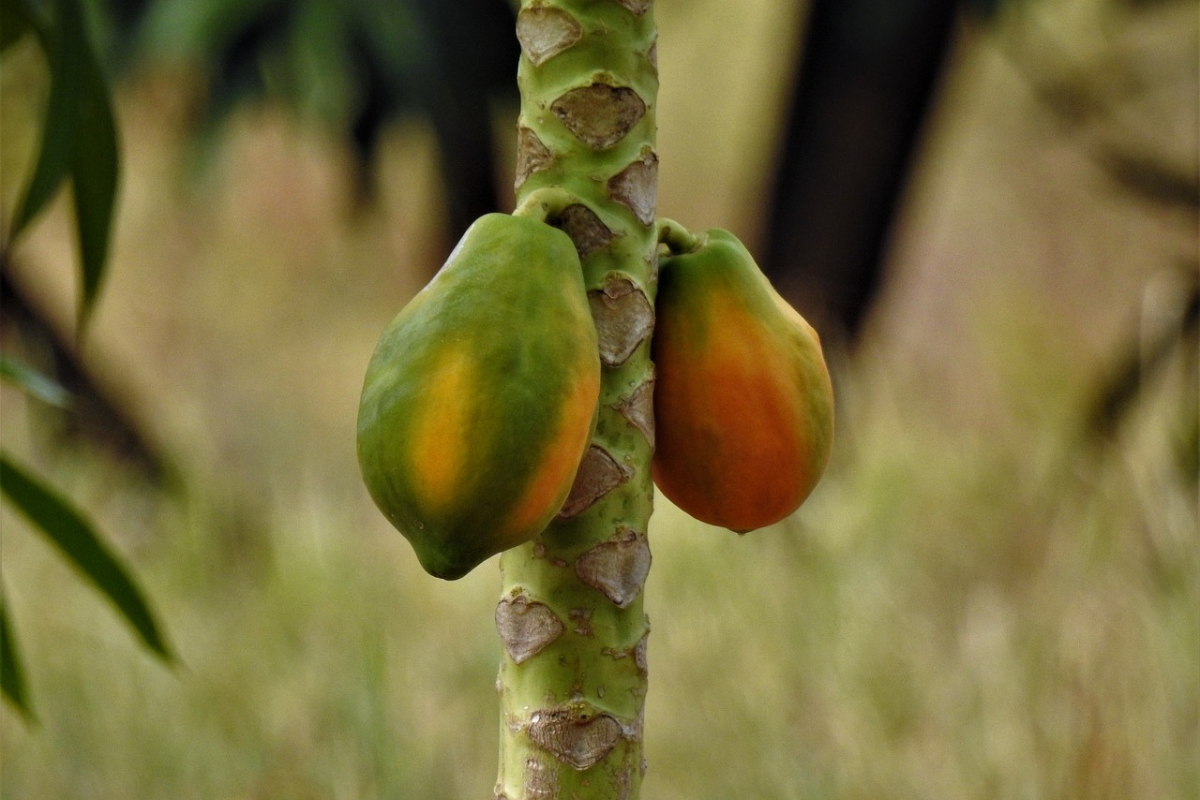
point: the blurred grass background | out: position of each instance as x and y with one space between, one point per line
978 602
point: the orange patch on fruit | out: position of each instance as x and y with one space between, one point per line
735 442
548 487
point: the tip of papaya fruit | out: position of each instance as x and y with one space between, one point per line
443 568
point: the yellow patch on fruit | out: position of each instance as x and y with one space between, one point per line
479 399
438 429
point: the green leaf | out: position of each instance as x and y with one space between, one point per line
79 140
12 676
34 383
73 535
54 157
14 22
95 171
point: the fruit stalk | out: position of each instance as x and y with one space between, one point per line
573 674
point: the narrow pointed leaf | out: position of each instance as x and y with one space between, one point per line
58 133
12 675
33 382
95 162
79 141
14 22
73 535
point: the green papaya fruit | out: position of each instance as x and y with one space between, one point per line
479 401
743 401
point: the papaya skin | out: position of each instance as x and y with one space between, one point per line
743 401
479 401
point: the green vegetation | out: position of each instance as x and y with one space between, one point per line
78 144
948 618
971 605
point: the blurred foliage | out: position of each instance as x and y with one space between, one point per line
1144 358
967 609
946 619
68 529
79 137
323 58
33 382
79 143
74 536
355 66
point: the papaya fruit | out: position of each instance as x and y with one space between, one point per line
480 398
743 402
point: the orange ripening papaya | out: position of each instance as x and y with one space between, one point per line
743 403
480 398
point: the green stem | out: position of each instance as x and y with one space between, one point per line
545 205
573 677
678 239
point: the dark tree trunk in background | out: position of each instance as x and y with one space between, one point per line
474 53
868 71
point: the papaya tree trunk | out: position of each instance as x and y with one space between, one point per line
573 675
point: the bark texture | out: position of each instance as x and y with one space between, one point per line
573 677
